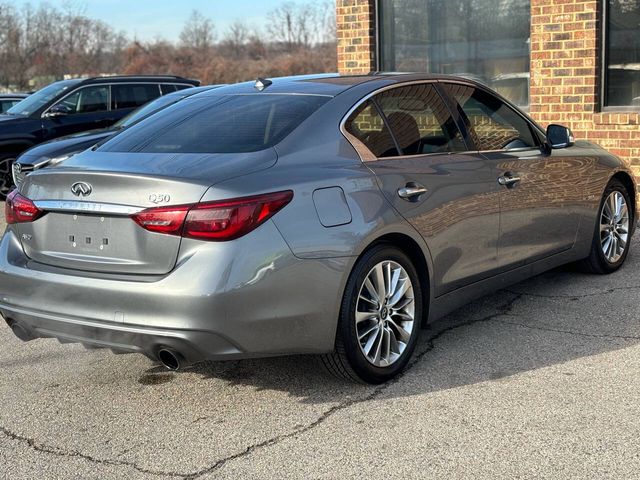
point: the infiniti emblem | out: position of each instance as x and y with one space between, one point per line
81 189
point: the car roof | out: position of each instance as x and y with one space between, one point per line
332 84
13 95
137 78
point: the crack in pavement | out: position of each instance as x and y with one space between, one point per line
569 332
585 295
60 452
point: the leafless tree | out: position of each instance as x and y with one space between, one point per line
198 32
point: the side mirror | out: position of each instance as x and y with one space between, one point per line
58 110
559 136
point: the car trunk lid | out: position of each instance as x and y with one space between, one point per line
88 224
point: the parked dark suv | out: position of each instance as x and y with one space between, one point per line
8 100
71 106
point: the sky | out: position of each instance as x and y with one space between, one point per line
148 19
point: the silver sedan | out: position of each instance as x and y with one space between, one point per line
333 215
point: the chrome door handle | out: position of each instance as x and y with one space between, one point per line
411 191
508 180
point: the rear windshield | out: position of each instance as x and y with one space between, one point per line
218 124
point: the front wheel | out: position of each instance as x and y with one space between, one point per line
380 318
612 235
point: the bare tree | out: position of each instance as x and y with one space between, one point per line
235 39
198 32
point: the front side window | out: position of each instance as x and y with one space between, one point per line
492 124
486 40
87 100
419 120
218 124
41 98
622 54
133 95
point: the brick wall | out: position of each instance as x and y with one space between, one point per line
565 68
356 35
565 76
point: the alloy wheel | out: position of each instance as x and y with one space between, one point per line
385 313
614 226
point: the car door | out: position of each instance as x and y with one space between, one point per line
86 108
537 218
423 168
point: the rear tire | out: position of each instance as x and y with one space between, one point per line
612 233
379 325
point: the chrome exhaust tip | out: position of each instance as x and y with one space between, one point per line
170 359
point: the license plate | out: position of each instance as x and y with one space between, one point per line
89 234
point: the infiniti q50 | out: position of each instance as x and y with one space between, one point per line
327 215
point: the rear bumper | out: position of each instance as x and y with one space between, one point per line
246 298
193 345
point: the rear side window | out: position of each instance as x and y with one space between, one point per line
492 124
182 86
133 95
218 124
367 126
420 120
167 88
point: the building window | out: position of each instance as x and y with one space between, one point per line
487 41
622 54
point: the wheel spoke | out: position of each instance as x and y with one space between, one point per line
371 329
371 289
379 282
362 316
403 286
403 335
372 339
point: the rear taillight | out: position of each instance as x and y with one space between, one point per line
19 209
215 221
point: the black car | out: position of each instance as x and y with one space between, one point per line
71 106
55 151
8 100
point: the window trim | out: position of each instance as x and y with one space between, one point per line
75 90
367 155
534 128
604 66
363 151
109 84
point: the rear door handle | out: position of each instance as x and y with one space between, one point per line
411 191
508 179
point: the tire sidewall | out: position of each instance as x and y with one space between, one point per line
361 366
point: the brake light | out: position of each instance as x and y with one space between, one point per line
19 209
214 221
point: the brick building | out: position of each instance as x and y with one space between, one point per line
574 62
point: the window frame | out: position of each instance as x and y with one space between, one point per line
604 66
536 131
109 84
158 85
367 155
78 89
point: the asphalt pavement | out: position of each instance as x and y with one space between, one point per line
537 381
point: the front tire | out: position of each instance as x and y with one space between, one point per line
612 234
380 318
